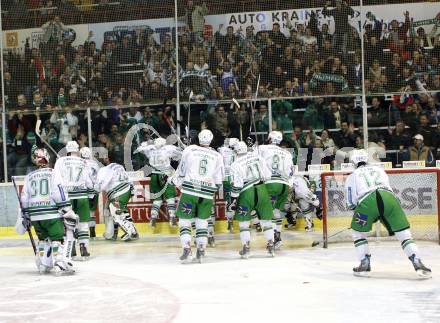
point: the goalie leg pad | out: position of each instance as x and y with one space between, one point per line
245 232
60 259
109 227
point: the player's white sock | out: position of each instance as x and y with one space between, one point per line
267 229
201 232
171 206
361 244
245 232
185 232
277 220
210 226
155 207
83 233
407 243
255 219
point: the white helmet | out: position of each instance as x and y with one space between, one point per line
40 157
241 148
86 153
160 142
359 156
205 137
233 142
275 137
72 147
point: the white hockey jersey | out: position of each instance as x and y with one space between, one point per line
228 158
43 194
364 180
114 180
248 170
93 168
160 158
279 161
76 177
200 172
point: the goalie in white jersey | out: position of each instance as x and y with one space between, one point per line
93 168
249 173
159 158
113 180
370 195
279 161
228 155
46 204
199 175
78 183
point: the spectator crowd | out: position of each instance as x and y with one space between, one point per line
311 75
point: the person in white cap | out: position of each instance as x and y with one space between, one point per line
420 152
78 183
199 175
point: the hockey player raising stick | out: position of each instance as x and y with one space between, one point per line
46 204
249 173
200 174
93 168
228 155
370 195
279 161
159 157
78 183
113 180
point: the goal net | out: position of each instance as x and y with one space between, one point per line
416 189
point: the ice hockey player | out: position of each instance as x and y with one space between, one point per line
46 205
249 173
228 155
93 168
279 161
114 181
305 201
199 175
159 158
253 147
371 197
78 183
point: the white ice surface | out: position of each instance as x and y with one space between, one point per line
144 282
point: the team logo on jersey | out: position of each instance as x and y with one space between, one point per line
361 219
187 208
243 210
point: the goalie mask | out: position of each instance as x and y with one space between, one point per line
359 156
40 157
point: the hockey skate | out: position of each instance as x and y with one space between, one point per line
245 251
42 269
278 243
200 254
92 233
230 226
83 250
270 248
211 241
257 227
186 256
173 221
363 270
421 270
291 221
153 222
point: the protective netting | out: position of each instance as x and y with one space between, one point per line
416 190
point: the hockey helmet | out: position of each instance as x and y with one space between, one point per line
86 152
205 137
160 142
233 142
359 156
72 147
241 148
250 141
40 157
275 137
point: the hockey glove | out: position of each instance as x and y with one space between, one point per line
26 220
70 218
319 213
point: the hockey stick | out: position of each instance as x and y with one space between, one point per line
37 132
191 94
315 243
238 106
253 105
28 228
